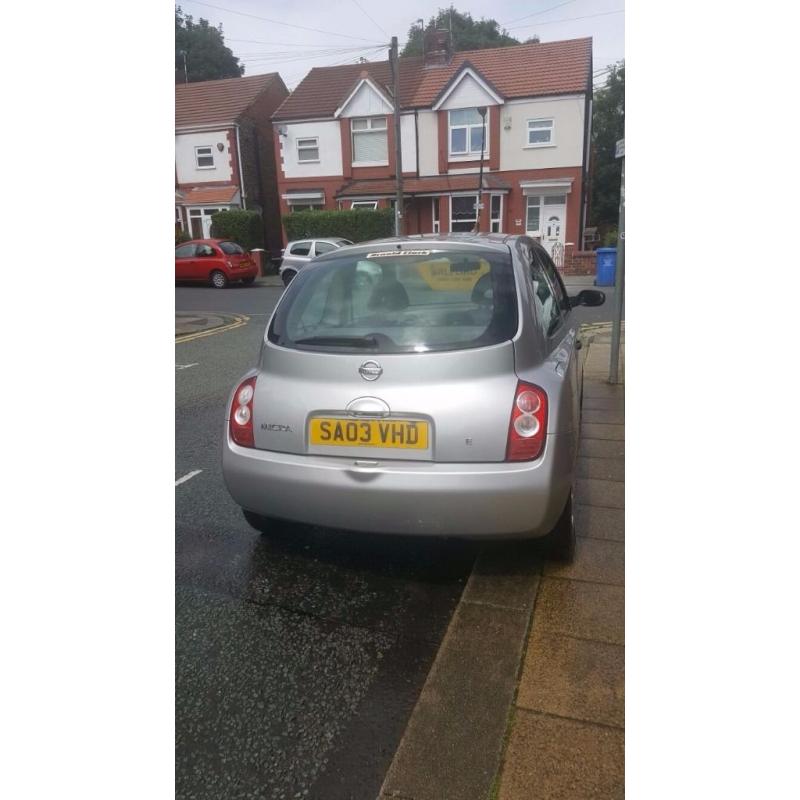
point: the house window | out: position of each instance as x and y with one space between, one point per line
204 157
435 205
303 207
467 133
534 215
370 143
308 150
540 132
496 221
368 204
463 213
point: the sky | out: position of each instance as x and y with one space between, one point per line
348 29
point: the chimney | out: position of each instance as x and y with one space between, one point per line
438 48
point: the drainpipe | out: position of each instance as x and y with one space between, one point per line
239 159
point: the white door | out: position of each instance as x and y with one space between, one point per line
554 217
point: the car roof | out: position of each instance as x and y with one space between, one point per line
331 239
205 241
499 242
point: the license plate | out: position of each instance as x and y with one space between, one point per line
397 433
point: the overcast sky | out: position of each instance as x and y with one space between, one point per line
345 31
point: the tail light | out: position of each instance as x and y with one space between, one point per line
242 413
528 426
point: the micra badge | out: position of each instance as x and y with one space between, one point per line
271 426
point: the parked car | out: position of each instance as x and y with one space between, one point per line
441 397
214 261
297 254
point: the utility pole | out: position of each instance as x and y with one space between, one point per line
619 283
398 153
479 205
185 68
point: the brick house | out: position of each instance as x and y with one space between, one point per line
334 139
224 153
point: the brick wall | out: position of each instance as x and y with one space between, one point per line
578 262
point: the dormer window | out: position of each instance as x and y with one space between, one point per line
467 131
370 142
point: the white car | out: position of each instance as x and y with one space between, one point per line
297 254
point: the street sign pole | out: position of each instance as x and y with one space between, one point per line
619 283
398 157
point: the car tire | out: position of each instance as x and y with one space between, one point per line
559 544
277 529
249 281
287 276
261 524
218 279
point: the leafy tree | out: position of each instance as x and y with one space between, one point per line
468 34
608 125
207 57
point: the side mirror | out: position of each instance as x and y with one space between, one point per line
588 297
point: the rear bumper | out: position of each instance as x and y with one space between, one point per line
424 498
237 274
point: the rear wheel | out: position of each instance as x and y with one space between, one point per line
218 279
287 275
560 542
249 281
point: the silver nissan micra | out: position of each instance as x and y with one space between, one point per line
427 385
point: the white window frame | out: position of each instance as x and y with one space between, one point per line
310 206
198 156
372 205
468 154
302 144
473 221
539 204
550 143
370 129
435 221
499 219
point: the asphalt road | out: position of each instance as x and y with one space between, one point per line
299 657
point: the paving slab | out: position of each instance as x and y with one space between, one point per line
601 448
597 492
561 759
577 608
595 522
607 469
603 415
601 388
607 403
597 560
470 688
577 678
594 430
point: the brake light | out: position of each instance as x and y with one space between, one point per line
241 424
528 426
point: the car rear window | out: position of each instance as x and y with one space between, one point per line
399 302
231 249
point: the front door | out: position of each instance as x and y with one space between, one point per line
554 216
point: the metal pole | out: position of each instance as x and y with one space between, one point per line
479 206
619 285
398 156
185 68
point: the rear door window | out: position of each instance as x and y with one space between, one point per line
555 280
300 249
323 247
545 301
389 302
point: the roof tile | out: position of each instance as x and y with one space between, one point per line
217 102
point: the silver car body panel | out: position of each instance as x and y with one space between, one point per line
459 485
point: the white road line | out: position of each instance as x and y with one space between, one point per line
188 476
186 366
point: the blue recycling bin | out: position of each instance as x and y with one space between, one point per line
606 266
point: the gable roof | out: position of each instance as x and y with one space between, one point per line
218 102
525 70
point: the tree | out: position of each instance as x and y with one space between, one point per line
467 33
608 125
207 57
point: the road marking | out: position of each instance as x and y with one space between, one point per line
186 366
188 476
240 319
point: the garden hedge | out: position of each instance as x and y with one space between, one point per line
243 227
357 225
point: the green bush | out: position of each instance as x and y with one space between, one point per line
357 225
181 236
610 238
243 227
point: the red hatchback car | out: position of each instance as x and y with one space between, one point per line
214 261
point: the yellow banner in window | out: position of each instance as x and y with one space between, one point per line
459 275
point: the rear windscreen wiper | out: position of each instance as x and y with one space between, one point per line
340 341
